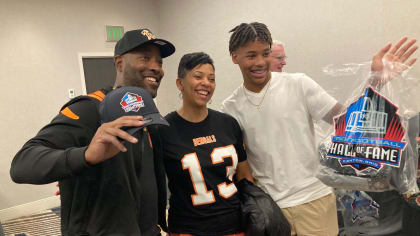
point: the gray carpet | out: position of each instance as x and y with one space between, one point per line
45 223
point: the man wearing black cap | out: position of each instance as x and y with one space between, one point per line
109 181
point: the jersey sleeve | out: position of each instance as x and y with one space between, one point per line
155 135
318 101
57 151
239 145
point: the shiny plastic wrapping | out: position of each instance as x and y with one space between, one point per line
372 143
358 209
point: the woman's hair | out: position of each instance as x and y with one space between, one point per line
244 33
191 60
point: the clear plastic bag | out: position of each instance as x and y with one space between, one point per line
358 209
368 147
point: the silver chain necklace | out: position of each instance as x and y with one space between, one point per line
262 100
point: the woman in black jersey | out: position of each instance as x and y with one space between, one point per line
203 151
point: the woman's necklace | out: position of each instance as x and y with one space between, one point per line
265 93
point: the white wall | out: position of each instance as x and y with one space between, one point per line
316 32
39 43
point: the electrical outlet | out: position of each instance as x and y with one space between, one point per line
71 93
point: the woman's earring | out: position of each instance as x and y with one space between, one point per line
180 95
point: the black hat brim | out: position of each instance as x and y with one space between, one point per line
166 48
153 119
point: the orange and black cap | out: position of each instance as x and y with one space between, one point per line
135 38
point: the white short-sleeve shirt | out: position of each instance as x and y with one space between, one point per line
279 135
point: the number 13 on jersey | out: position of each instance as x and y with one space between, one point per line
202 195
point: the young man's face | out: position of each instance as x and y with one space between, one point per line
278 58
254 61
142 67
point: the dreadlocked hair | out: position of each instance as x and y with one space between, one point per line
245 33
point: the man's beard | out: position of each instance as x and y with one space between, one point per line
131 78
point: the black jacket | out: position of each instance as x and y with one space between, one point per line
261 214
115 197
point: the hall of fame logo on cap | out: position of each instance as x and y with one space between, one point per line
368 134
131 102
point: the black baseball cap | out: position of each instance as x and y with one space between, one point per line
135 38
130 101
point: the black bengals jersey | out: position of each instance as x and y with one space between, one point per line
200 160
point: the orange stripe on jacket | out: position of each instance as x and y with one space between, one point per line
99 95
150 141
67 112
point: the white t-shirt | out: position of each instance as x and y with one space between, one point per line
279 135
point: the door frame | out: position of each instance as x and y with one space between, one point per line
81 56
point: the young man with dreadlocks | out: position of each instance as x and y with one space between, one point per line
276 113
